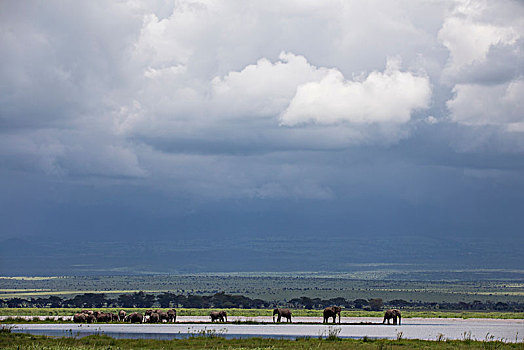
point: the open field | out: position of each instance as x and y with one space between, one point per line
28 278
13 341
413 286
17 293
13 312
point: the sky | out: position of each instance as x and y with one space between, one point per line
168 121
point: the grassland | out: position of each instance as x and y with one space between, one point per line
11 341
277 288
13 312
29 278
21 293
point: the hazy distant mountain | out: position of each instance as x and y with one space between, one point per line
19 257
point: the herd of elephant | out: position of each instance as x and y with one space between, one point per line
334 311
155 316
150 316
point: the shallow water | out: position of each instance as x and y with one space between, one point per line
412 328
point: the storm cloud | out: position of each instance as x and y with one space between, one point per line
150 108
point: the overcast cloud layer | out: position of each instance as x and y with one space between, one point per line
165 108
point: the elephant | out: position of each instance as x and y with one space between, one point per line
215 315
79 318
392 314
114 317
90 318
135 317
221 316
282 312
121 315
332 311
163 315
154 318
103 317
171 313
148 314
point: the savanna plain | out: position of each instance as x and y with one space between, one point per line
497 294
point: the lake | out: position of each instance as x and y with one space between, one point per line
411 328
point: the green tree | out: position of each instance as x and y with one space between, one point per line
88 300
137 299
360 303
165 299
376 304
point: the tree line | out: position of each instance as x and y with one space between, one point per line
377 304
222 300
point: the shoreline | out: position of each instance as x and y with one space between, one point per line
250 313
424 329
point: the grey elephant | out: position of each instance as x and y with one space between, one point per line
392 314
149 312
121 315
220 316
103 317
135 317
171 314
332 312
282 313
79 318
163 315
154 318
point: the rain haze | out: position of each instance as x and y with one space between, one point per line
218 136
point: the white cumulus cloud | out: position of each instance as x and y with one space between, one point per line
500 104
263 88
382 97
485 67
469 41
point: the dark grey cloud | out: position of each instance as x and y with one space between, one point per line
234 119
503 63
